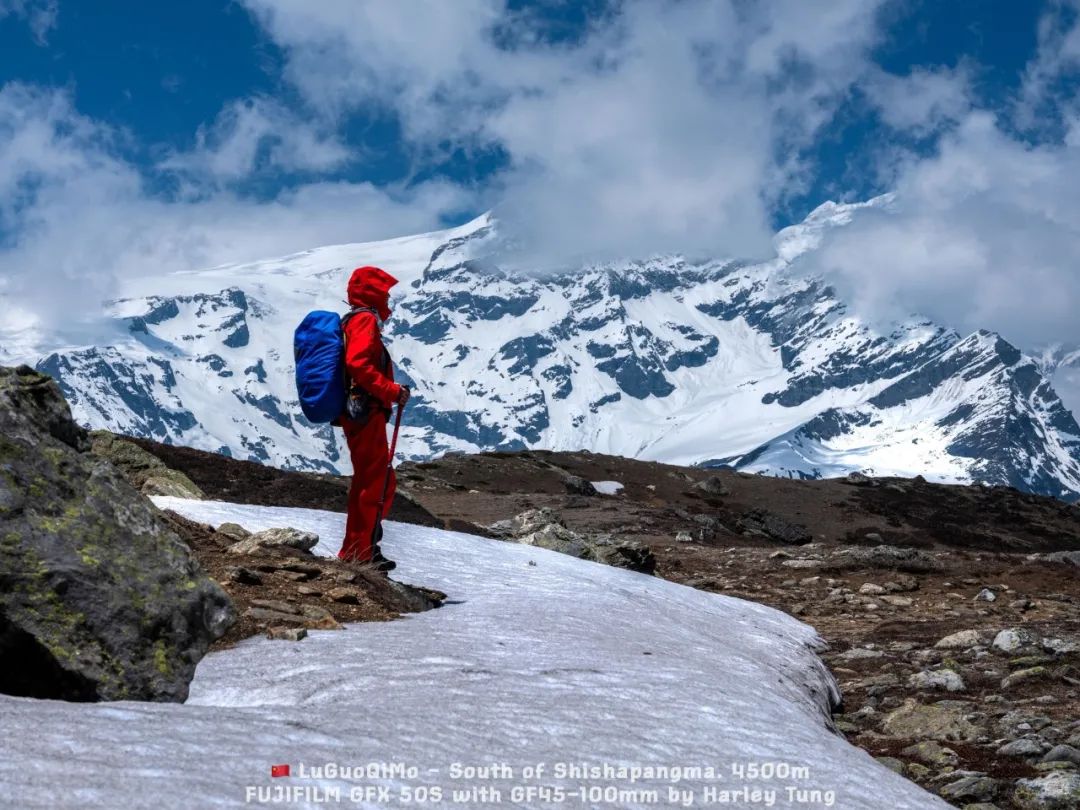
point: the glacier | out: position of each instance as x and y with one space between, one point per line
708 361
536 658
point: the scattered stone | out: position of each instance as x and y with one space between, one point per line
903 559
1067 557
233 530
275 604
1059 790
268 615
1023 676
943 679
273 538
294 576
892 763
986 595
932 753
944 721
918 771
1024 747
963 640
684 537
286 633
346 596
897 601
1015 639
860 653
972 788
767 524
1063 753
1060 646
871 588
1021 604
307 590
903 583
712 486
544 529
575 485
243 576
807 564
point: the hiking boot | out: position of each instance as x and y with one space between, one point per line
381 563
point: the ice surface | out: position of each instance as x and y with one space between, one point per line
536 658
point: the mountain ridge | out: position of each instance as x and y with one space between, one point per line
758 365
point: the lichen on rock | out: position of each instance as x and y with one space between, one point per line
99 600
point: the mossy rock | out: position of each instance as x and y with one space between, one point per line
1059 790
98 599
145 471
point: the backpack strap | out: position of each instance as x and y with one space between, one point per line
349 385
356 311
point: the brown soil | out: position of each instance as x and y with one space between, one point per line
299 580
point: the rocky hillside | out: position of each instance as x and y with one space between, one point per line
704 361
952 613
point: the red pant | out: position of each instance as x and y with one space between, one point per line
370 456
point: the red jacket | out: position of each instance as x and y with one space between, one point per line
366 360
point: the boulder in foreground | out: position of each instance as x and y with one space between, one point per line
98 599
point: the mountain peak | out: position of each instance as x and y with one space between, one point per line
689 362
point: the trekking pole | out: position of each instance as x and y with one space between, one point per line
377 532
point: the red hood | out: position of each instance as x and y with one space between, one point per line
370 287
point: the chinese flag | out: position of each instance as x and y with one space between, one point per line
279 770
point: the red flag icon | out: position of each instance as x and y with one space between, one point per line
279 770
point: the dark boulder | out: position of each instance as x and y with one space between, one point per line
768 524
99 600
576 485
713 487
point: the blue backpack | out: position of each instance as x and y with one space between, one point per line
319 351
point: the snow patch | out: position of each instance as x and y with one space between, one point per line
607 487
537 657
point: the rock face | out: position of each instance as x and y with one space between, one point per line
145 472
98 599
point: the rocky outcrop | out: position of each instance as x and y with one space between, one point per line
145 472
98 599
543 528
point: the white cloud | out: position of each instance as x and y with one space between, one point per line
984 234
922 102
252 129
40 15
658 130
75 215
1057 56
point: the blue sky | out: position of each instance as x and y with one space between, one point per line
184 134
162 71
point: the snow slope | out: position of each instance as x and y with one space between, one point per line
536 658
690 361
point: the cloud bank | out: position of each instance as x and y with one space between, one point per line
661 125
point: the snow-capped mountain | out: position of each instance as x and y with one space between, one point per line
718 361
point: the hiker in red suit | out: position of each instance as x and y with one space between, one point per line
372 395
